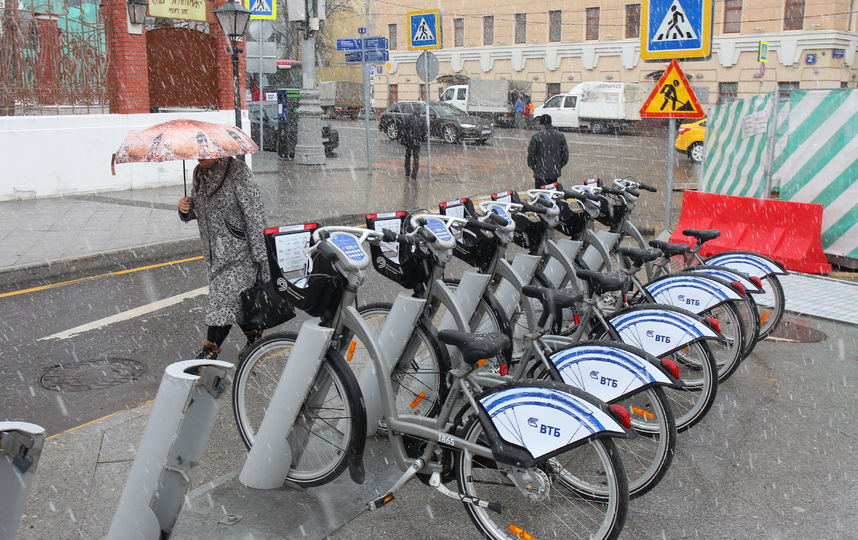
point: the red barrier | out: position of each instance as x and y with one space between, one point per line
788 232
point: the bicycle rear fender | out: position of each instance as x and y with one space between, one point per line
696 293
660 329
728 274
610 371
544 418
747 262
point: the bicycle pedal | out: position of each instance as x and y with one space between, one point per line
379 502
435 482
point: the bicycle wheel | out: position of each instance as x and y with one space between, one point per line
558 509
699 375
747 309
770 305
728 354
420 377
331 419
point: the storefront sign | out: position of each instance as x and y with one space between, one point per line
191 10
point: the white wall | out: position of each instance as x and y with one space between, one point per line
55 155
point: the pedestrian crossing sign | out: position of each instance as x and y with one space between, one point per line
262 9
425 30
672 97
676 29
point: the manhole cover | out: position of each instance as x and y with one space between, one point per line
91 374
792 331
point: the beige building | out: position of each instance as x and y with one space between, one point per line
558 44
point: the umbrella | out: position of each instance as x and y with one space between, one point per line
183 139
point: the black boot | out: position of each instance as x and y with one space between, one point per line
208 352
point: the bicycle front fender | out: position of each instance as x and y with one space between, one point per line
696 293
747 262
660 329
610 371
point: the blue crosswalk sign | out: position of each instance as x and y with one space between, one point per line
425 30
676 29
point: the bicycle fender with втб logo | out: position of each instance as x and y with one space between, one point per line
696 293
610 371
728 274
660 329
747 262
546 418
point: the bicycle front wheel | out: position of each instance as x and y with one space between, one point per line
699 375
770 305
558 507
729 353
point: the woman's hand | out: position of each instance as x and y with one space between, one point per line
185 205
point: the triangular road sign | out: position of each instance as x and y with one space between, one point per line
672 97
423 32
674 26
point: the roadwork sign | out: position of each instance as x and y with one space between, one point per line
425 30
672 97
676 29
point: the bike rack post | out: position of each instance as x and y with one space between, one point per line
20 449
173 443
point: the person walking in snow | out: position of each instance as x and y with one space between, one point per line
547 153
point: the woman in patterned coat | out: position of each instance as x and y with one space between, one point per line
227 205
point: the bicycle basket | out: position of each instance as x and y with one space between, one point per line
569 223
395 261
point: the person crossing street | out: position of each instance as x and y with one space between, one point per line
412 132
547 153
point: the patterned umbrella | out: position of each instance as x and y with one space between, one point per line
183 139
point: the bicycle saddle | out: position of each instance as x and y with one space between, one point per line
639 256
553 299
702 235
602 283
475 347
669 249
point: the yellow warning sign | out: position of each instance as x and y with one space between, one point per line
672 97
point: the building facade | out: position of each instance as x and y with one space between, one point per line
558 44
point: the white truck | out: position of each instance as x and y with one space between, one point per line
341 99
488 98
601 107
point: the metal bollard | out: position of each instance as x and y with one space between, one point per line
20 449
175 438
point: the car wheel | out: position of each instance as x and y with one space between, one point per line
482 141
597 128
695 152
450 134
329 152
391 131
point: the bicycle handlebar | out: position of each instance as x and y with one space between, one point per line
477 224
527 207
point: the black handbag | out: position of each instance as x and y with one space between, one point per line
264 307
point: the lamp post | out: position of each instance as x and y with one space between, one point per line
137 10
233 19
309 150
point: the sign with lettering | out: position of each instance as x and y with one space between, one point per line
189 10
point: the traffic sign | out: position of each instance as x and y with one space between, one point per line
425 30
356 57
362 30
672 97
763 52
676 29
262 9
349 44
376 42
427 66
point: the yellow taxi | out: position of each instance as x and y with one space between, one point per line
689 139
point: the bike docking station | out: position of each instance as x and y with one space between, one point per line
175 438
20 448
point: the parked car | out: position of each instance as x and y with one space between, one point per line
330 136
689 139
445 122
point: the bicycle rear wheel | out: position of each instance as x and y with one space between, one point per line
770 305
699 375
729 353
559 509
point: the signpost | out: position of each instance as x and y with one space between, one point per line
427 70
260 30
671 98
262 9
676 29
425 30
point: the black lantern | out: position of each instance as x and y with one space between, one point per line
137 10
233 19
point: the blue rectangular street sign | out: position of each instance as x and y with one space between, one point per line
349 44
354 57
676 29
377 56
376 42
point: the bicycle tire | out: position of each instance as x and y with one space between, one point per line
318 456
697 395
770 306
729 353
747 309
601 461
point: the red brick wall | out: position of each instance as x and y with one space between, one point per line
128 72
226 93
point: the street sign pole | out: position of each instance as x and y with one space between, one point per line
671 158
428 135
366 101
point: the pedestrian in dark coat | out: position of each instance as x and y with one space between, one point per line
227 204
547 153
412 131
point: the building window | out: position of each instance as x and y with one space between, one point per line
555 20
458 32
727 92
785 89
391 36
592 23
551 89
733 16
488 30
392 94
633 21
521 27
794 15
844 84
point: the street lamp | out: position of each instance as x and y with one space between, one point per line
137 10
233 18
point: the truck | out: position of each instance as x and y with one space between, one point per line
341 99
601 107
488 98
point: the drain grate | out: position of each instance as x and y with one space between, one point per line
791 331
91 374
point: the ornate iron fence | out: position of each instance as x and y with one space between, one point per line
53 63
